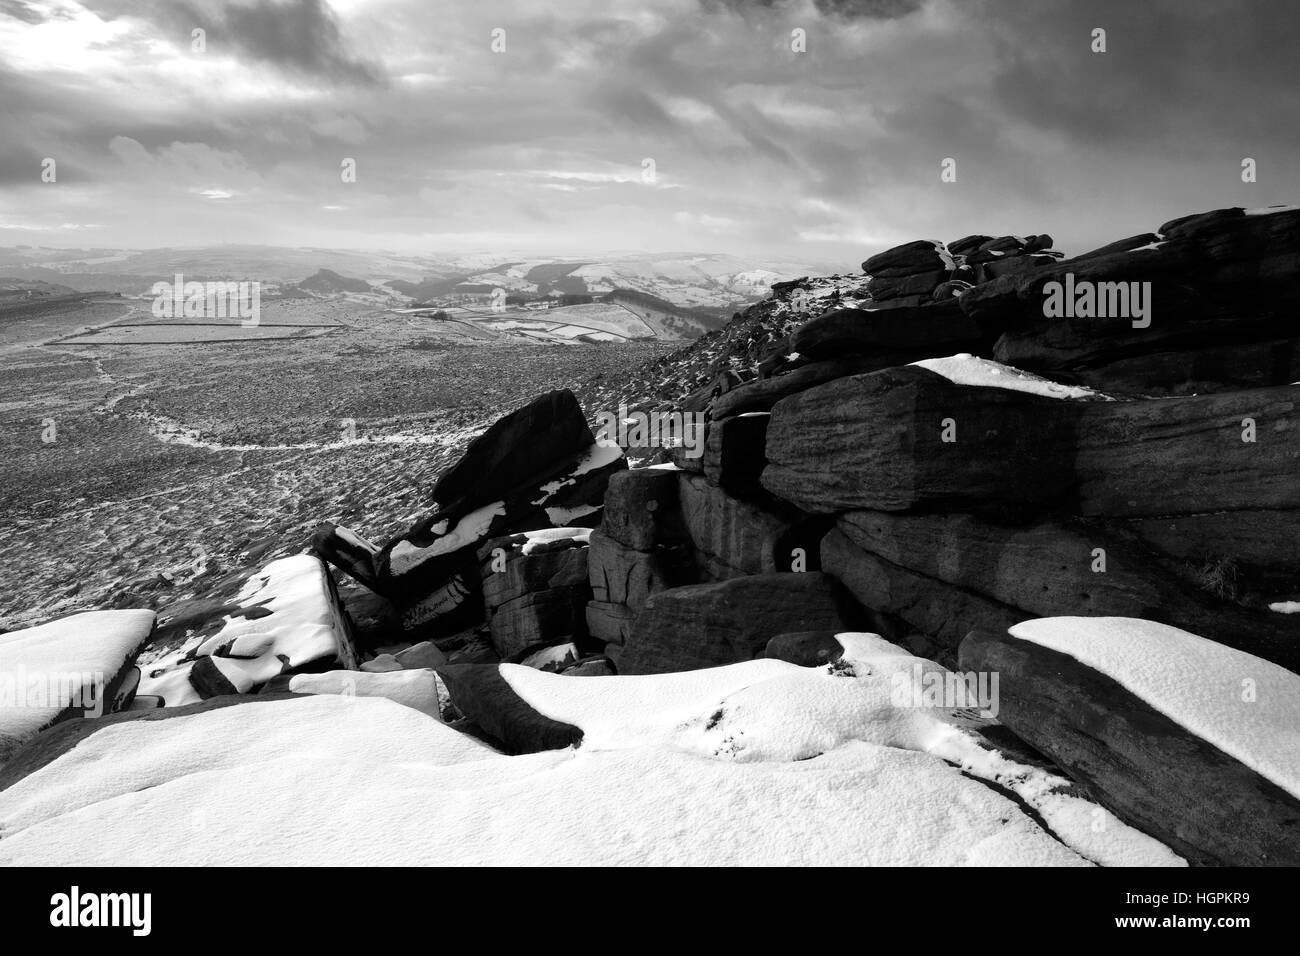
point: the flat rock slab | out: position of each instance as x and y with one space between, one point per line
708 625
1148 768
72 667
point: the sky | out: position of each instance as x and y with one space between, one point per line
580 126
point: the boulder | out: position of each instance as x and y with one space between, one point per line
916 283
967 245
417 563
878 441
522 448
480 693
952 289
711 624
449 608
1121 245
1113 729
911 257
805 648
901 334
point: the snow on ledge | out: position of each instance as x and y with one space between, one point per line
967 369
1197 683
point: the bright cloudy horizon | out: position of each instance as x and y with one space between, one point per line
686 125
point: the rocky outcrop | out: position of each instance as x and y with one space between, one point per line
1218 283
537 468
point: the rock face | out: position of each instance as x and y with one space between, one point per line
1053 568
535 589
1230 451
1149 769
907 437
711 624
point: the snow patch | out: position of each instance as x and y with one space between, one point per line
967 369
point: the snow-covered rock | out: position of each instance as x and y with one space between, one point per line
74 666
285 616
702 768
1195 742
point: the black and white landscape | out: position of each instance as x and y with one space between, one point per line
675 432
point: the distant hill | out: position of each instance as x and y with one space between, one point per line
329 282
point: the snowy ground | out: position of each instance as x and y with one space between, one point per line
756 763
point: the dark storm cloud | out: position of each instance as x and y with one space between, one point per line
293 35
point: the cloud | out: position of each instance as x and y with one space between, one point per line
300 36
757 147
